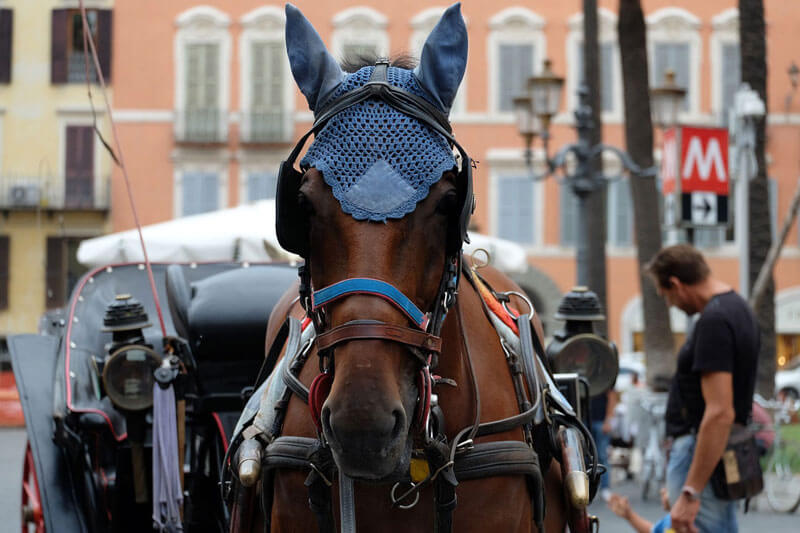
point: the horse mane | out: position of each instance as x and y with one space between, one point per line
353 62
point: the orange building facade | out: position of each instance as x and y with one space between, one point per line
206 110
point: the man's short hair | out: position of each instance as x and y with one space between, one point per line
680 260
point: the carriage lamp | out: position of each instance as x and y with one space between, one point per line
577 348
666 101
127 371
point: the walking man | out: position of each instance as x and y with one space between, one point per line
712 387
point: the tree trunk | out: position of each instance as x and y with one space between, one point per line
595 219
659 345
753 45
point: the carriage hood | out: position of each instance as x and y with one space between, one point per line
378 161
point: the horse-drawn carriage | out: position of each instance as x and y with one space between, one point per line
398 381
86 385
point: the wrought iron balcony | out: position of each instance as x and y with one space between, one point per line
201 125
265 126
73 193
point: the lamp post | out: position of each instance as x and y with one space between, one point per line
534 112
747 108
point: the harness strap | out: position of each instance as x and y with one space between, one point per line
371 330
374 287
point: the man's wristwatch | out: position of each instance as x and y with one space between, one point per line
690 493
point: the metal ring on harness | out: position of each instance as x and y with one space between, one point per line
397 503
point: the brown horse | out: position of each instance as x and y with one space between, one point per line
371 404
400 232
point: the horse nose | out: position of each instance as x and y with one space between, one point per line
363 427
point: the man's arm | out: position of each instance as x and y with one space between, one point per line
613 400
712 437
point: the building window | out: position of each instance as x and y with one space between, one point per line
675 44
62 270
68 61
620 213
725 62
6 41
202 59
5 265
515 208
261 185
360 32
610 70
567 214
200 192
266 89
79 167
516 51
422 25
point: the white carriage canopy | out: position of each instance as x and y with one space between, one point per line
243 233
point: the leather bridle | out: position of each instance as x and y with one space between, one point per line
423 341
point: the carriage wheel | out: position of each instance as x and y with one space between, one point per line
32 516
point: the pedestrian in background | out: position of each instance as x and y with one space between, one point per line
712 387
601 410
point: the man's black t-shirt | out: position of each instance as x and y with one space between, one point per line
724 339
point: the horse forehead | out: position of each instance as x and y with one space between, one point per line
379 162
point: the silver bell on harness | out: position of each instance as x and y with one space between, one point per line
577 348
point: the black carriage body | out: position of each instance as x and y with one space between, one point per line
83 444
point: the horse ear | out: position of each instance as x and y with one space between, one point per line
444 58
314 69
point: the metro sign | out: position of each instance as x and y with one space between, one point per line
694 173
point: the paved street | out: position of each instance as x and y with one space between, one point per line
12 447
12 443
761 519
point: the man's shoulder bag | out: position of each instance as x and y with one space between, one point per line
738 474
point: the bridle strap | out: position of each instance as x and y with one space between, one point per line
374 287
379 331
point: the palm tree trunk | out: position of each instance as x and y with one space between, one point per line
753 46
659 343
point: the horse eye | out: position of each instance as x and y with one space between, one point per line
447 204
304 204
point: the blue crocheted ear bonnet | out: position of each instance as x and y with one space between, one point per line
378 161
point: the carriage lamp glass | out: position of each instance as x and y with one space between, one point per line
591 357
128 377
545 91
666 101
577 348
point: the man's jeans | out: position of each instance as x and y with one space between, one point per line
602 440
715 515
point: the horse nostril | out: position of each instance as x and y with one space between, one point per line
399 423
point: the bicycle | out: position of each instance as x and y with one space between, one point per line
654 462
782 470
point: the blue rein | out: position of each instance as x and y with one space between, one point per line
373 287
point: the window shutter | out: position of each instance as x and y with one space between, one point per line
6 40
680 64
261 185
58 46
200 193
516 66
620 214
731 77
104 39
567 214
4 270
515 209
55 274
773 207
607 75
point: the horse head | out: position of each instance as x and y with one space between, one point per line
381 205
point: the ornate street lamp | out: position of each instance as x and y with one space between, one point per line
534 112
666 101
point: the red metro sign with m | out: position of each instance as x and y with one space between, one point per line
704 160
